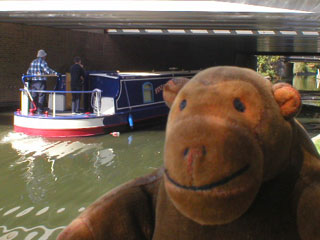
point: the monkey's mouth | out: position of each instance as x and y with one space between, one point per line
210 185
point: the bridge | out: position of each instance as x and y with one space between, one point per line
152 35
311 59
269 26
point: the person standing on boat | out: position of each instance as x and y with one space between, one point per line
77 78
39 67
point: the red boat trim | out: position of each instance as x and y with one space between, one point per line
78 132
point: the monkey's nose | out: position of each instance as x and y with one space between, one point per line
194 154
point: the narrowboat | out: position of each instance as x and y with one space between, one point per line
112 101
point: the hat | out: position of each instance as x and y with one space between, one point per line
41 53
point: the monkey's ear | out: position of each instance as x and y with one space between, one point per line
288 98
171 89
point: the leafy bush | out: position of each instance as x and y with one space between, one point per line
267 66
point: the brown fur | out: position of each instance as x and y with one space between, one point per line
237 166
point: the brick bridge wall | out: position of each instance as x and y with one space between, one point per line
19 44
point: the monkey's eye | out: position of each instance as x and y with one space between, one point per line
238 105
183 104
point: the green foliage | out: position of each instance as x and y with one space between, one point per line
312 67
316 142
299 67
304 67
267 65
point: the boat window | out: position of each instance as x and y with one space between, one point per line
147 90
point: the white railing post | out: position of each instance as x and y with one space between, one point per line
97 104
25 100
54 105
24 103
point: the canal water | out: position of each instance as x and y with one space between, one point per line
45 183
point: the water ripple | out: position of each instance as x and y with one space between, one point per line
60 210
81 209
31 235
44 232
42 211
24 212
10 235
11 211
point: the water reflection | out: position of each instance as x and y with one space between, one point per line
37 154
48 182
104 157
31 147
309 87
306 82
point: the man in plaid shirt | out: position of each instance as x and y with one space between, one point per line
39 67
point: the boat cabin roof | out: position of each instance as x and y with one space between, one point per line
118 74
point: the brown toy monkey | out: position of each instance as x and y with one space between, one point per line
237 165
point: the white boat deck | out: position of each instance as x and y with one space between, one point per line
60 115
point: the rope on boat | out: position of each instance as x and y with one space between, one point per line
96 100
32 110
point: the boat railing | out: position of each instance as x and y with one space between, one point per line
29 76
26 95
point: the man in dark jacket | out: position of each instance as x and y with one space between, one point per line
77 78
